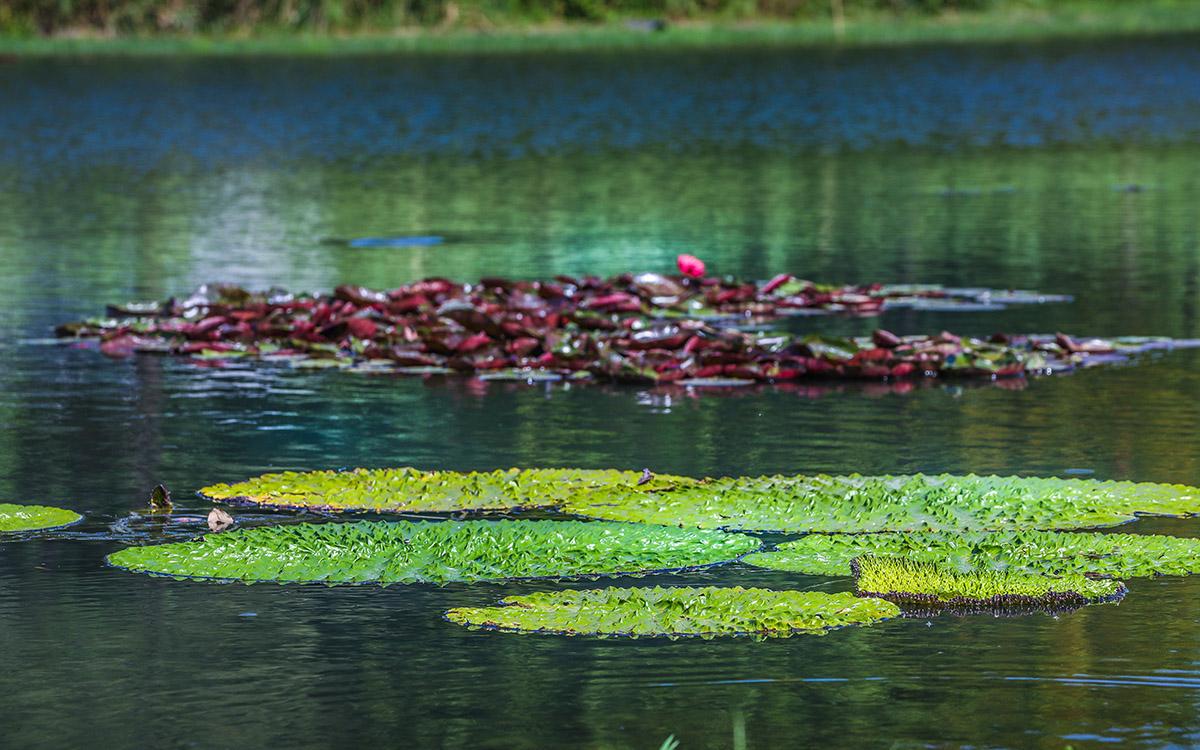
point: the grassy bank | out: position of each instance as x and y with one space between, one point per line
862 27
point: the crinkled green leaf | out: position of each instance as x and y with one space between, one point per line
857 504
675 612
1049 552
917 582
34 517
412 490
404 552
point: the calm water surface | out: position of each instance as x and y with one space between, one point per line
1070 168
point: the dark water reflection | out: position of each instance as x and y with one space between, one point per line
997 166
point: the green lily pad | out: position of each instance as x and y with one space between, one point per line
405 552
676 612
35 517
858 504
1048 552
922 583
403 490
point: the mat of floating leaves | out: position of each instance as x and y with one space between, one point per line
676 612
1046 552
405 552
536 331
859 504
924 584
405 489
35 517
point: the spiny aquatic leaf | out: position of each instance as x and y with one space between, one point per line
1048 552
676 612
412 490
34 517
858 504
922 583
403 552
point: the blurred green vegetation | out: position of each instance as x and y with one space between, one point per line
118 17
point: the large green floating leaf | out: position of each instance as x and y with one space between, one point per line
676 612
404 552
859 504
412 490
922 583
1049 552
35 517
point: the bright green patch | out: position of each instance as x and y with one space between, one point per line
915 582
1047 552
857 504
34 517
676 612
403 552
413 490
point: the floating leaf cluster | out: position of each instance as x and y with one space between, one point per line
644 329
406 489
676 612
923 583
857 504
1046 552
34 517
404 552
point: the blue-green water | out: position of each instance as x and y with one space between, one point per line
1069 168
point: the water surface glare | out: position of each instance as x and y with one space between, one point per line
1066 167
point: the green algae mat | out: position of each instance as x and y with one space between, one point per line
676 612
35 517
425 552
860 504
922 583
1049 552
406 489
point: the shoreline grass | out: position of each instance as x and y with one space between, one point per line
1071 22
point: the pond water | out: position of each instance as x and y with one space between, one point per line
1066 167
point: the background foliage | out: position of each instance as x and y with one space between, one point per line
218 16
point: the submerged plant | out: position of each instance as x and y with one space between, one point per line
923 583
405 552
1047 552
35 517
412 490
676 612
857 504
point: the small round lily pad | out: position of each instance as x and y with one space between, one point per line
676 612
921 583
35 517
405 489
1047 552
434 552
